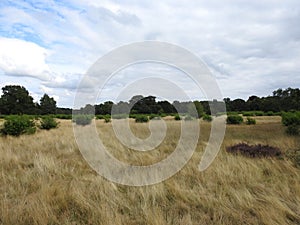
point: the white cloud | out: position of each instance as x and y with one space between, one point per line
22 58
252 48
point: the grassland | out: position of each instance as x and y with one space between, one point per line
45 180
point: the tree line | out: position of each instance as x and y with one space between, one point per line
16 99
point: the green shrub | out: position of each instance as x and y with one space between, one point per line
107 119
48 122
177 117
292 129
141 119
294 156
63 116
119 116
269 113
249 113
207 118
83 119
250 121
292 121
17 125
234 119
290 118
188 118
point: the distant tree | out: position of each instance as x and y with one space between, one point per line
16 100
47 105
166 107
199 109
238 105
253 103
104 108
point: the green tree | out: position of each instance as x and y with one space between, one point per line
16 100
47 105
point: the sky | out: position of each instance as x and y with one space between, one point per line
251 48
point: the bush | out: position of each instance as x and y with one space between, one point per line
83 119
250 121
234 119
141 119
294 156
119 116
63 116
254 150
107 119
292 129
269 113
48 122
188 118
177 117
207 118
17 125
292 121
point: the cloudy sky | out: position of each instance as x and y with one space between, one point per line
250 48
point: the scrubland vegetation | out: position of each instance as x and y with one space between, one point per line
45 180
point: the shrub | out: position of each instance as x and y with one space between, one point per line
188 118
292 121
48 122
207 118
292 129
177 117
269 113
153 116
17 125
119 116
141 119
107 119
234 119
254 150
83 119
63 116
250 121
294 156
248 113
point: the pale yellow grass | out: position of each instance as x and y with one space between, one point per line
45 180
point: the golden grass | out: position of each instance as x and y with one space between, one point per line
45 180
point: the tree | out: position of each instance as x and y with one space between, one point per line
16 100
47 105
199 109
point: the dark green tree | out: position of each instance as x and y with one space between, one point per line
47 105
16 100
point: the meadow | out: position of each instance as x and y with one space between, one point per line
45 180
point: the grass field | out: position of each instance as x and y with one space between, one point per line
45 180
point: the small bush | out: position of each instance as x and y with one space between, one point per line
63 116
250 121
294 156
83 119
292 129
48 123
177 117
207 118
107 119
119 116
141 119
254 150
269 113
188 118
234 119
292 121
17 125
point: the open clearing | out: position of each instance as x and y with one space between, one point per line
45 180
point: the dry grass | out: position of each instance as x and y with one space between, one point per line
44 180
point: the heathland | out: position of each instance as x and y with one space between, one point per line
45 180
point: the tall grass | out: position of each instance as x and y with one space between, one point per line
45 180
